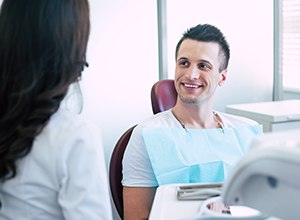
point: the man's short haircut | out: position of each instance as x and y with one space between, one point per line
208 33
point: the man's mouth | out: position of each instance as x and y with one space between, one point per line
193 86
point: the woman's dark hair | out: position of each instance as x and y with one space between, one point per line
208 33
42 51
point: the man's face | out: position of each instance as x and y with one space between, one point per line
197 71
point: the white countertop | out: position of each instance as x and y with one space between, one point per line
277 111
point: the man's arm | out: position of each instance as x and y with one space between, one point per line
138 202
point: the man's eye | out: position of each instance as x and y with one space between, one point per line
183 63
204 66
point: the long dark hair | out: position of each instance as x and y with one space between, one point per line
42 51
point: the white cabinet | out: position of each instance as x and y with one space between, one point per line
274 116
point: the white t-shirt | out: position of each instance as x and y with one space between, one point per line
137 169
63 177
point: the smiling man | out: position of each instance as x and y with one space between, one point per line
191 142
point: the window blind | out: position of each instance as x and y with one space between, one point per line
290 44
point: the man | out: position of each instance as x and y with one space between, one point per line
191 142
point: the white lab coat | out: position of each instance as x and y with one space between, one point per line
62 178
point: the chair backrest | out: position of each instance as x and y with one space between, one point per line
115 171
163 95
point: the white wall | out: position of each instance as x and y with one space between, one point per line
248 26
123 59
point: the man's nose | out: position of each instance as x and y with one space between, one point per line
193 72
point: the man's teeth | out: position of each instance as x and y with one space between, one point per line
191 86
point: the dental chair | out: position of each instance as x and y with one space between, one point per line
268 177
163 95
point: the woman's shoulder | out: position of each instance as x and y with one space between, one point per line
68 121
65 128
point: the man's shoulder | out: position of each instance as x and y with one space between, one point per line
230 120
164 118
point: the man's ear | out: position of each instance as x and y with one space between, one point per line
223 76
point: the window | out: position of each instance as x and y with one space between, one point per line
289 44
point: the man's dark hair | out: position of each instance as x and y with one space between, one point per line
208 33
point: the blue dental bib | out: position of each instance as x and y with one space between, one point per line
196 155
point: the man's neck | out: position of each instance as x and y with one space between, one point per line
194 116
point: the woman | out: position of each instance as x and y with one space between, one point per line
51 160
